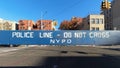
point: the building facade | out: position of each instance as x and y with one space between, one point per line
25 25
44 25
39 25
115 9
7 25
94 22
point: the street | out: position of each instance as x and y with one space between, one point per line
60 57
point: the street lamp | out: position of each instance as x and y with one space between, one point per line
41 19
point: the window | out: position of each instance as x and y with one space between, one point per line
93 21
43 24
101 21
97 28
97 21
88 23
22 28
49 23
93 28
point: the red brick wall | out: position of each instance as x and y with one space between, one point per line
47 24
25 24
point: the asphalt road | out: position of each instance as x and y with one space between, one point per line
60 57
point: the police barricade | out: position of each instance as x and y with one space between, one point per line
77 37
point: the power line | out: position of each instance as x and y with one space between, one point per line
67 8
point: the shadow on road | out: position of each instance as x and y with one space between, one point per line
77 62
115 49
81 62
104 61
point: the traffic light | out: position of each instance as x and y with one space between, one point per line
108 5
103 5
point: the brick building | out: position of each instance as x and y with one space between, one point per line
43 25
25 25
39 25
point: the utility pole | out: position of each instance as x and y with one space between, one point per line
105 0
41 22
41 19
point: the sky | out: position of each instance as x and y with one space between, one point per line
58 10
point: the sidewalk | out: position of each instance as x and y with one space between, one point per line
9 49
